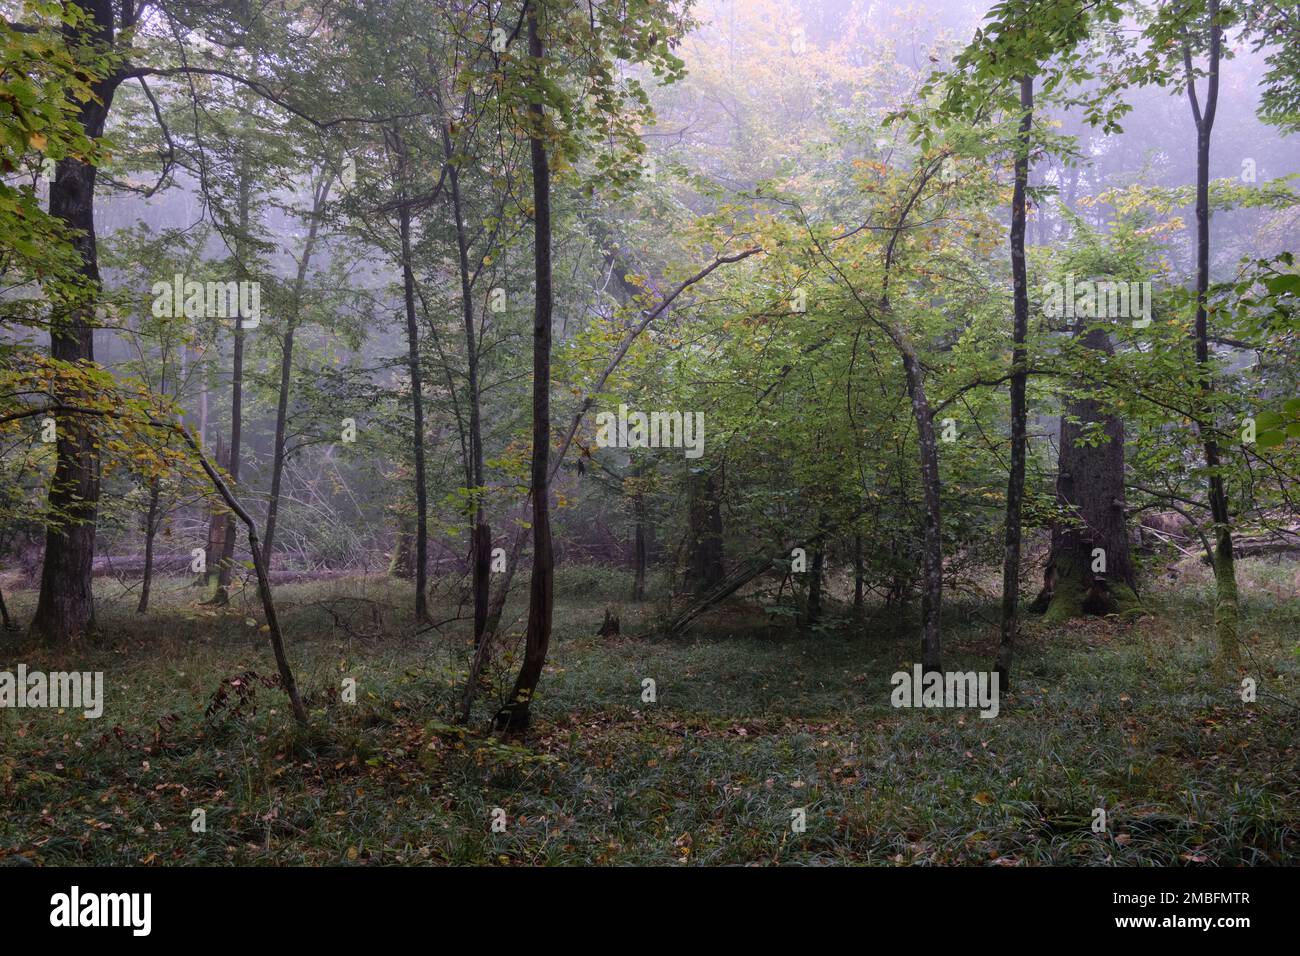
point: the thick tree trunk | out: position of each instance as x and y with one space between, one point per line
1020 332
65 609
515 715
1090 570
705 568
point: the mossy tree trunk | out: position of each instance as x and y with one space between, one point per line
1090 570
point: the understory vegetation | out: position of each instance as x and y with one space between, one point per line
753 720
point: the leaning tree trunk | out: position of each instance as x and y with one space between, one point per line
65 609
1090 570
1019 415
287 682
514 715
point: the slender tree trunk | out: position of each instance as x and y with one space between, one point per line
1226 611
263 580
815 585
515 715
639 548
321 194
227 567
216 524
932 565
65 608
417 397
481 534
150 529
1020 332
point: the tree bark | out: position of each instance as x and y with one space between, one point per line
639 545
481 534
150 528
705 567
417 394
1226 611
65 608
514 716
1019 442
263 580
227 566
932 565
1090 489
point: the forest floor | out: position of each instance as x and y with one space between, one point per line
751 724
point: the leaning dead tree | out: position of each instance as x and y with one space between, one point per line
259 567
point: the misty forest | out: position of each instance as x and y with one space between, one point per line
522 432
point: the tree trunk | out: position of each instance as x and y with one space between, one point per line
417 397
227 567
515 715
639 548
263 580
1020 332
150 528
480 556
286 365
705 569
216 525
1226 611
932 565
1090 570
65 609
815 585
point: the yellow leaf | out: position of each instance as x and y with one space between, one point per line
983 798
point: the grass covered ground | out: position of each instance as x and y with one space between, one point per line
751 723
